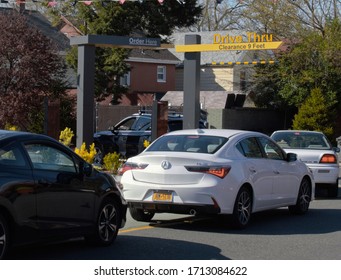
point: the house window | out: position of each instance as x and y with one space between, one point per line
125 80
161 74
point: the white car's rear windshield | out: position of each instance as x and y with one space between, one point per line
188 143
301 140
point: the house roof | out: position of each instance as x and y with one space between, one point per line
148 55
209 99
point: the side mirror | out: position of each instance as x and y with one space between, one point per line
336 149
291 157
87 169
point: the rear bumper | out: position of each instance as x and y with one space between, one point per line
191 209
325 174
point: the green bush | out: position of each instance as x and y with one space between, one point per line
315 114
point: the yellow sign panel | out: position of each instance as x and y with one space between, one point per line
229 47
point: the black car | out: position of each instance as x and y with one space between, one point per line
127 136
48 192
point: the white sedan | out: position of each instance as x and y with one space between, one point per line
314 149
215 171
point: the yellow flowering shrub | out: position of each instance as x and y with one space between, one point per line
65 136
146 143
11 127
111 162
87 154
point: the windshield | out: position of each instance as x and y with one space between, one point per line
301 140
188 143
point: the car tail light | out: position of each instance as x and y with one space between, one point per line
130 166
328 158
219 171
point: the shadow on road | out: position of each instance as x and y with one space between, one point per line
124 248
272 222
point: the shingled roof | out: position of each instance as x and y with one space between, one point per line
147 55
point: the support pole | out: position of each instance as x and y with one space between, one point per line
191 85
85 94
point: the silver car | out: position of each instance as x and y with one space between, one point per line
314 149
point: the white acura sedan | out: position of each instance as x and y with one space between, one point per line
215 171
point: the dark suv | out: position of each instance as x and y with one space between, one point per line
128 135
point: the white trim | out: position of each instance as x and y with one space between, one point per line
149 60
164 73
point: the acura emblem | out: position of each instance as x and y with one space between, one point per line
166 164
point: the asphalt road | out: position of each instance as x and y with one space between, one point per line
271 235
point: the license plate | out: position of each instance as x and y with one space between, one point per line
162 196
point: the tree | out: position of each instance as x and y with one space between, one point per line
313 62
220 15
30 70
315 114
265 87
132 18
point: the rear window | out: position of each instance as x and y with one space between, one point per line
301 140
188 143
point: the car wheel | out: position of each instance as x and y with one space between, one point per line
242 208
303 198
4 237
107 225
333 190
140 215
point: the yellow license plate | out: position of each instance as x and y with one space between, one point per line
162 196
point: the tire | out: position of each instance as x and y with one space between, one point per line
333 190
107 224
140 215
242 208
4 237
303 198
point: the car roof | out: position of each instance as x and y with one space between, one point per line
215 132
171 115
10 134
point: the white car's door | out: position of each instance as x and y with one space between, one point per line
258 172
285 176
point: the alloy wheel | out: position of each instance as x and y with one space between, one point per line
107 223
244 207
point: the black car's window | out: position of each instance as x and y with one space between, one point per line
126 124
249 148
142 124
271 150
49 158
11 156
188 143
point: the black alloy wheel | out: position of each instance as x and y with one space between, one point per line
108 224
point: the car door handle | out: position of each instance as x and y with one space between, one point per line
252 169
276 172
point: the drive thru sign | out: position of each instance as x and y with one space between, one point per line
251 41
